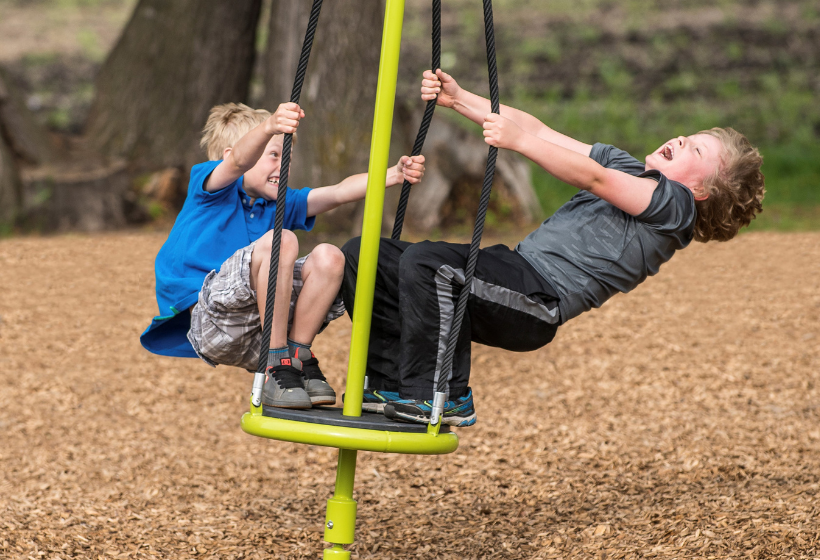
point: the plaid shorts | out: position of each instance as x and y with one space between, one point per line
225 324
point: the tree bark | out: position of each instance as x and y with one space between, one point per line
339 93
22 143
173 62
11 188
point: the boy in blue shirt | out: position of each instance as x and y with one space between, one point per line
212 272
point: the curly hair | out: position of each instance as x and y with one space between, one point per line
228 123
735 189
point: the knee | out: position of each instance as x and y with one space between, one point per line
414 258
288 248
328 259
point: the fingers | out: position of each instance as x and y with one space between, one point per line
412 168
494 129
287 117
287 126
503 133
430 86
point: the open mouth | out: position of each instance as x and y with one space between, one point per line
274 181
667 152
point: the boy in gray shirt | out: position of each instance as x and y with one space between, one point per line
627 219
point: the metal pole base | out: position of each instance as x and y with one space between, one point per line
336 553
340 519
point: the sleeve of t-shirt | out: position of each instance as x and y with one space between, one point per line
614 158
296 210
199 173
672 208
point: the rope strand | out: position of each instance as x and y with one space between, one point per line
425 123
484 201
273 273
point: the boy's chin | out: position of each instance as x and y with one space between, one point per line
654 161
269 192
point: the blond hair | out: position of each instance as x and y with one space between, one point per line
228 123
735 189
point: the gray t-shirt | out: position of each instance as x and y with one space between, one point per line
589 250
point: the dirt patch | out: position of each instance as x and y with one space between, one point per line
679 421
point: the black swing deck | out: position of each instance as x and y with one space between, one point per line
332 416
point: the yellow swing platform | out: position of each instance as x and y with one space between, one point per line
347 429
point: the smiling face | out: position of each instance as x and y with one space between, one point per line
688 160
262 180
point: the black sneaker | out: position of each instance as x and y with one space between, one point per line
317 387
284 388
459 412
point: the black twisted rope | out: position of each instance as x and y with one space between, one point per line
461 306
425 122
273 273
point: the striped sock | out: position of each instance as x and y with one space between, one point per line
276 354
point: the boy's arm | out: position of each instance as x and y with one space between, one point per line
475 107
627 192
247 151
354 187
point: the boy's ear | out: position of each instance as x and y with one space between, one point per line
700 193
225 152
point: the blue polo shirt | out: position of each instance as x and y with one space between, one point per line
210 228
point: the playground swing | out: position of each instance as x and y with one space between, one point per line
346 428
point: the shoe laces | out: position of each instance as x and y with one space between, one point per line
287 377
310 369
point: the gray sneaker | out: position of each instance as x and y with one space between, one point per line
283 387
316 385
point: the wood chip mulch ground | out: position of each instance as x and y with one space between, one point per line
679 421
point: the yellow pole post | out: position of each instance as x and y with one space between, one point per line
340 520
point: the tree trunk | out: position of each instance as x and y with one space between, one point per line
22 143
339 93
173 62
11 188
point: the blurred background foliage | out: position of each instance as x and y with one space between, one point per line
630 72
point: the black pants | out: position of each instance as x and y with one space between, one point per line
417 285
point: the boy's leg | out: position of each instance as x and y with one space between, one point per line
510 306
260 269
316 282
321 277
385 327
283 382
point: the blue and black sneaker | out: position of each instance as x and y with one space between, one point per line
374 400
459 412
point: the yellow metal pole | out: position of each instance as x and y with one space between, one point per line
340 520
374 205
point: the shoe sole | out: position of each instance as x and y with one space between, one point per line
319 401
373 407
455 421
290 406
